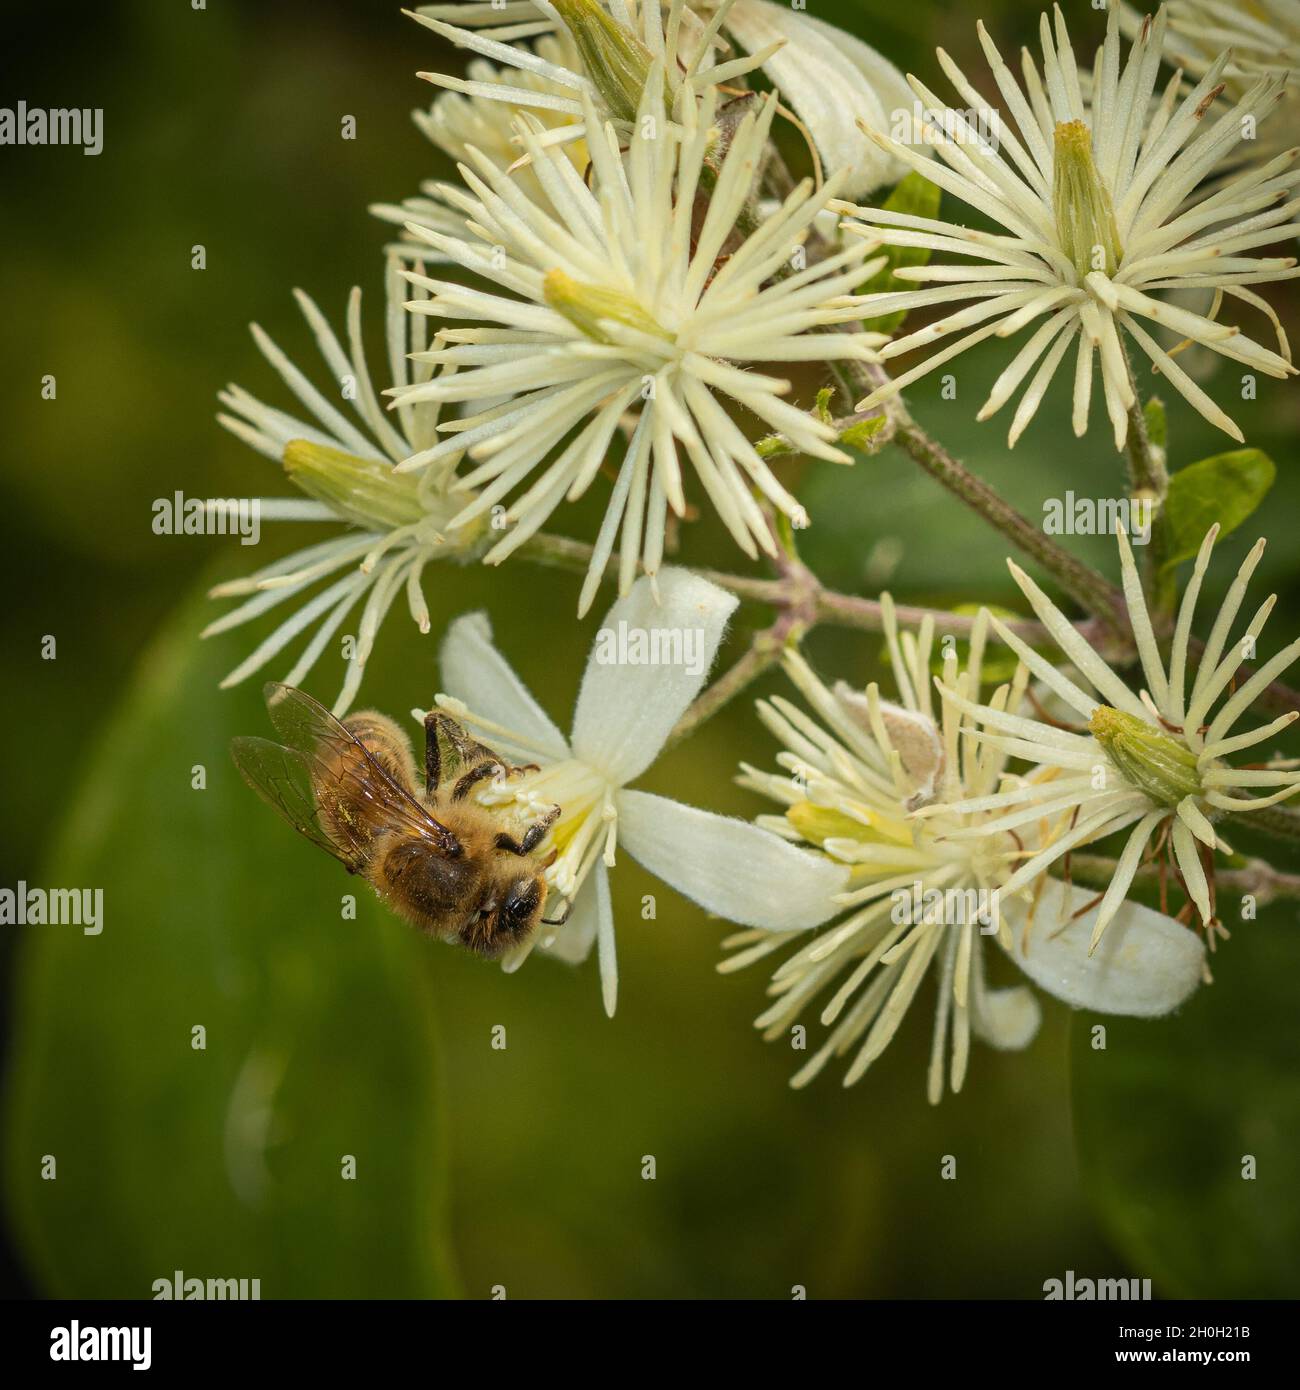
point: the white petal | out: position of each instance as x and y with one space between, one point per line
474 672
648 663
574 940
831 79
728 866
1145 965
1007 1019
606 951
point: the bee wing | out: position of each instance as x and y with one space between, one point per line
282 778
339 765
459 752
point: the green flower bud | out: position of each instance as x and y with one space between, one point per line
1084 216
364 491
1154 762
817 824
615 59
585 306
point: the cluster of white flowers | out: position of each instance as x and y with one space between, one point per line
608 291
620 315
904 796
1093 197
1155 761
1260 38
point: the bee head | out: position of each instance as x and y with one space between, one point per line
507 914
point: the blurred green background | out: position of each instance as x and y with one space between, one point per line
476 1167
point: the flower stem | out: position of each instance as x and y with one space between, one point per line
801 602
1276 821
764 651
1148 478
1256 877
823 606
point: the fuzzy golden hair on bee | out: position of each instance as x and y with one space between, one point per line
434 854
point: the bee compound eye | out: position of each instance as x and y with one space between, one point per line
521 904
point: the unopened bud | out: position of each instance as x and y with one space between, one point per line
615 59
824 825
1085 218
588 306
365 491
1153 762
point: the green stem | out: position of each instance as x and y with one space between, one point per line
799 588
1091 590
1148 478
1276 821
764 652
1256 877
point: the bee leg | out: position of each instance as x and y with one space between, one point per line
432 758
533 836
475 775
561 919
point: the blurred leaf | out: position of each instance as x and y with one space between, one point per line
856 436
1167 1113
918 196
1226 488
999 663
224 1162
859 436
1157 422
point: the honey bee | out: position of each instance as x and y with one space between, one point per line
439 859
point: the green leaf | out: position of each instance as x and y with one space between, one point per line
859 436
856 436
918 196
1168 1115
224 1161
1225 488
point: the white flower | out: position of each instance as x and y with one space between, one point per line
1093 197
830 78
396 523
616 44
632 306
1262 37
626 710
1155 761
456 123
923 892
834 81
